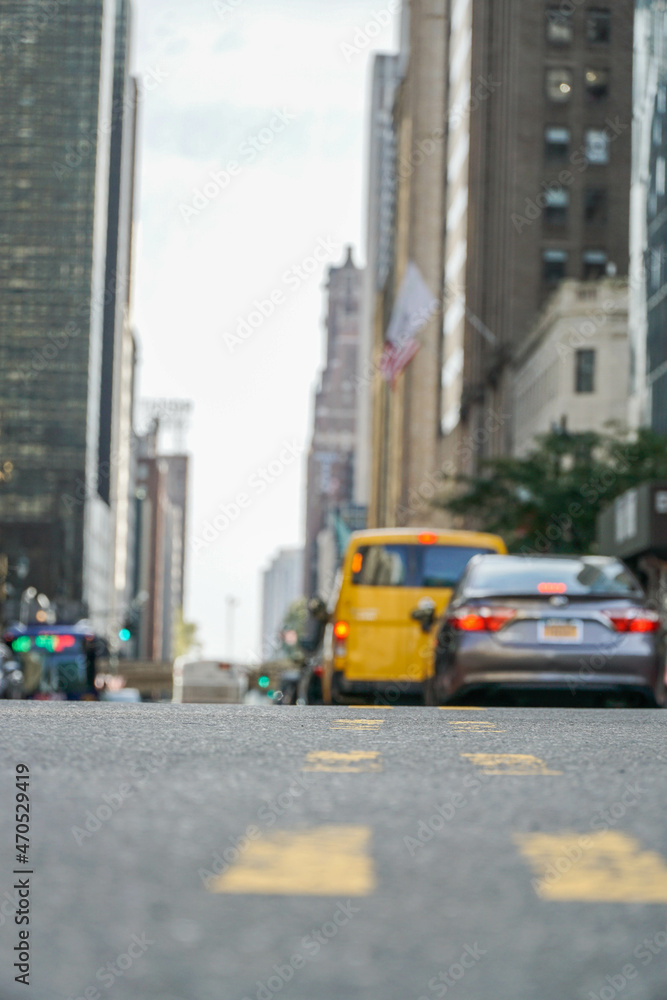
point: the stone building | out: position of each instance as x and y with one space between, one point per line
572 371
513 121
330 482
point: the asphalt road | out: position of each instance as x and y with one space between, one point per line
401 854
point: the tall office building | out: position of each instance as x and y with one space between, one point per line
648 219
380 220
281 585
158 583
330 482
523 116
67 118
538 170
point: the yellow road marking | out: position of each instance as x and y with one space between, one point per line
601 867
323 861
470 723
509 763
461 708
476 727
358 725
357 760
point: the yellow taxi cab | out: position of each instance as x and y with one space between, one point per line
394 584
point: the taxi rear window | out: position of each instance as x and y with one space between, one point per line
408 565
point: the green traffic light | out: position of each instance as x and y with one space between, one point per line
264 682
124 634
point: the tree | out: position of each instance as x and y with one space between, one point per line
549 500
186 639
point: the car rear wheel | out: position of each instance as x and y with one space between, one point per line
428 693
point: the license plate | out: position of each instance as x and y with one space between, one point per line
560 630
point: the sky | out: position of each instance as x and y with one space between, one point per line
252 153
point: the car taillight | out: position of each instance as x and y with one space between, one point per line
634 620
481 619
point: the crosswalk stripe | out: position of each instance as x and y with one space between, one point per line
323 861
602 867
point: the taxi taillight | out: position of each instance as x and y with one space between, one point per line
341 630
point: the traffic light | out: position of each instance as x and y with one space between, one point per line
125 635
264 681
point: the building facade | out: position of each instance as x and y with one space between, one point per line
330 475
282 584
514 125
380 223
572 371
158 584
66 138
648 243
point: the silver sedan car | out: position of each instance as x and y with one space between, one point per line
550 628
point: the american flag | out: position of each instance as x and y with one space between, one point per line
413 308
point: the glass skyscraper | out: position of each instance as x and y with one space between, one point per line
66 146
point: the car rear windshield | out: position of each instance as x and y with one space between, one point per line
547 577
411 565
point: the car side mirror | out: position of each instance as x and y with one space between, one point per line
318 610
424 613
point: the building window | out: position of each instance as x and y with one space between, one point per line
595 206
554 264
584 372
559 26
559 85
556 202
594 264
597 146
660 176
596 84
556 142
598 26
